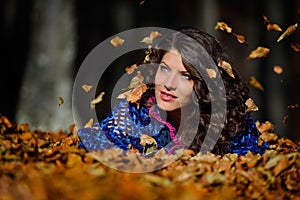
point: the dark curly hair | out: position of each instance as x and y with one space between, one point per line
199 51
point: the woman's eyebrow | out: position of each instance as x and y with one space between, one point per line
181 72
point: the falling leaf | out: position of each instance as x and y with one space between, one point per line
296 47
142 2
137 80
134 94
266 20
285 118
149 39
117 41
97 100
265 127
131 69
274 27
227 67
60 101
277 69
289 31
87 88
211 73
154 34
89 124
148 142
240 38
251 106
255 83
259 52
223 27
293 106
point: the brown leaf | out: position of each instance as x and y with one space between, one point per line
282 165
265 127
117 41
266 20
89 124
293 106
87 88
285 118
223 27
296 47
137 80
277 69
255 83
134 94
227 67
289 31
251 106
240 38
259 52
131 69
97 100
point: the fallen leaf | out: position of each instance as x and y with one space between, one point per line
296 47
97 100
259 52
251 106
223 27
227 67
211 73
277 69
289 31
130 69
255 83
87 88
60 101
117 41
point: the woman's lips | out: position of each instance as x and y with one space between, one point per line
166 96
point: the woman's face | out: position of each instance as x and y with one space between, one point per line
173 84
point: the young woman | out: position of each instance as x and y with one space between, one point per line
194 100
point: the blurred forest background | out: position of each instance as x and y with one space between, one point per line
44 42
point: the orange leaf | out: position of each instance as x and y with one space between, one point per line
285 118
240 38
259 52
134 94
255 83
289 31
131 69
296 47
273 27
87 88
251 106
266 20
277 69
137 80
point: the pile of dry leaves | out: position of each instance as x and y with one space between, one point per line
49 165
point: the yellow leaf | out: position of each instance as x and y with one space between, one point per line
89 124
255 83
211 73
60 101
117 41
223 27
259 52
227 67
97 100
289 31
251 106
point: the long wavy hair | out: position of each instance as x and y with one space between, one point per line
199 51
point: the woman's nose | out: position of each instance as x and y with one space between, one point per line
170 83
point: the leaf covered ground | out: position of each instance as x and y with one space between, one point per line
49 165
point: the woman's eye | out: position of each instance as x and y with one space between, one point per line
163 68
186 76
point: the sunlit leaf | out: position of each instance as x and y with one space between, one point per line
131 69
255 83
133 95
89 124
289 31
240 38
137 80
117 41
223 27
277 69
149 143
274 27
87 88
251 106
211 73
154 34
227 67
259 52
60 101
296 47
97 100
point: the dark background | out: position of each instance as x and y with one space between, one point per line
95 21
